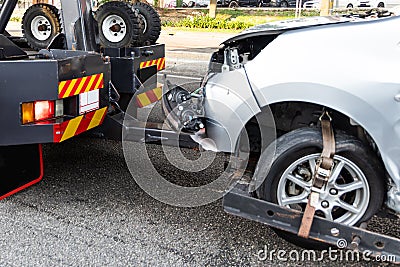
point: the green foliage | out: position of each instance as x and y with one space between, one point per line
232 19
210 23
15 19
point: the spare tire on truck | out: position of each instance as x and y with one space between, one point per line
151 21
119 25
40 24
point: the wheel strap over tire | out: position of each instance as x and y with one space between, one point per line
322 174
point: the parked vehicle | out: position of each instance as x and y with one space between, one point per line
243 3
285 3
316 4
246 94
172 4
188 3
379 3
198 3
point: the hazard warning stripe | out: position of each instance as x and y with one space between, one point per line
149 97
78 125
159 62
80 85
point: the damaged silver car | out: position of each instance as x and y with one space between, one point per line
292 77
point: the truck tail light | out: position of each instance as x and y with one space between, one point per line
44 110
27 113
41 110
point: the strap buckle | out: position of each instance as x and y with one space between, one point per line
325 114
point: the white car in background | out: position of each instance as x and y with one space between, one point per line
312 4
337 4
188 3
379 3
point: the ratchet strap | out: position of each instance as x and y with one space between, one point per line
322 174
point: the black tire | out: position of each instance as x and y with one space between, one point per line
151 22
381 5
284 4
119 25
191 4
233 4
349 6
299 143
40 24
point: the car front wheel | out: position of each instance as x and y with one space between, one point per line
233 4
354 192
284 4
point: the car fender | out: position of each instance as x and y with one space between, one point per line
228 105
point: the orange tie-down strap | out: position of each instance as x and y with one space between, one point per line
160 62
78 125
80 85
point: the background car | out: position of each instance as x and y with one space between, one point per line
336 4
243 3
285 3
188 3
198 3
379 3
312 4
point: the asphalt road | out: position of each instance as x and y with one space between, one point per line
88 211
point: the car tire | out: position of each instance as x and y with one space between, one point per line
151 23
292 152
284 4
40 24
119 25
381 5
349 6
233 4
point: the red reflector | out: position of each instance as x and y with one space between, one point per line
44 110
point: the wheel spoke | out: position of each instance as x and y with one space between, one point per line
345 188
347 206
312 164
336 171
302 198
299 181
327 214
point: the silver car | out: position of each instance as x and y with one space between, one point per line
266 88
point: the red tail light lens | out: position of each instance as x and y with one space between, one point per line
44 110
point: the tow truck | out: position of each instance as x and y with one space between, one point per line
81 71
